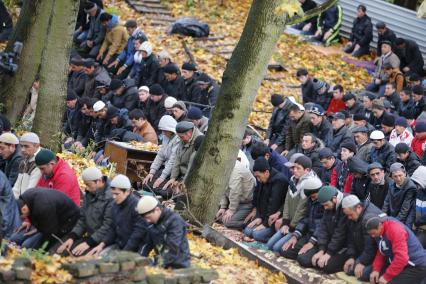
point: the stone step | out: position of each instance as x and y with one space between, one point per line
143 9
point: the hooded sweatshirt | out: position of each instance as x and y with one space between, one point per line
419 177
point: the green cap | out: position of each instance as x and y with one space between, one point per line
44 157
326 193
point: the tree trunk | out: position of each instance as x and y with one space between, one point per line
31 30
215 160
54 69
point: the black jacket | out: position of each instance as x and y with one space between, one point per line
277 126
376 193
193 90
361 246
313 154
419 107
77 82
411 57
359 184
411 163
148 74
176 88
95 217
309 5
11 167
357 108
5 18
401 202
308 92
268 198
389 35
362 31
385 156
340 136
333 231
83 130
310 224
155 110
325 174
170 241
129 99
72 119
99 77
324 131
129 229
51 211
209 95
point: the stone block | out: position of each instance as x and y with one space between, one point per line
142 261
138 274
7 275
80 270
127 265
208 275
108 267
170 280
22 261
155 279
23 273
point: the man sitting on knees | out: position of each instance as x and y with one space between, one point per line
268 198
236 204
168 233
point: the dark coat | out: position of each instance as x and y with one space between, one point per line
313 154
419 107
333 231
148 74
83 130
129 229
406 109
296 131
324 131
277 162
376 193
389 35
362 31
411 57
193 90
361 246
10 218
308 92
325 174
72 121
176 88
11 168
77 82
170 241
51 211
310 224
400 202
359 184
99 77
96 31
340 136
95 217
210 94
357 108
385 156
156 110
411 163
269 197
129 99
309 5
277 126
5 19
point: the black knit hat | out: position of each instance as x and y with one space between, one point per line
401 148
189 66
171 69
388 120
349 145
304 161
261 165
115 84
276 100
156 90
359 117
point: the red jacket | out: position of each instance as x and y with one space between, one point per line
398 237
64 180
417 146
335 106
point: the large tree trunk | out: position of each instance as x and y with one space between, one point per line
243 75
54 70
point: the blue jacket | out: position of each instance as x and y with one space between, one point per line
278 162
129 229
9 208
170 241
331 18
310 224
126 56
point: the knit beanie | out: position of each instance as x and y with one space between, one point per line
147 47
318 84
261 165
276 100
401 148
71 95
349 145
388 120
169 102
350 201
44 157
304 161
326 193
194 113
189 66
115 84
401 121
170 69
156 90
91 174
30 137
359 117
181 105
167 123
